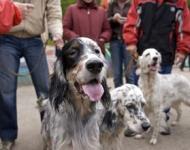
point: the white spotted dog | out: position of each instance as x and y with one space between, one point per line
161 91
132 98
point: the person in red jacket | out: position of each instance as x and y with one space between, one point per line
11 14
160 24
86 19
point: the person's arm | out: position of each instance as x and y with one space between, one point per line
54 21
25 8
68 24
106 30
10 15
183 31
130 29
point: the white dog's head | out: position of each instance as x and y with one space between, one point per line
149 61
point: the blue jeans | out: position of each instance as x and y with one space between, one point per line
121 58
167 69
11 50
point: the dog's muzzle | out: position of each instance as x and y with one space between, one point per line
94 66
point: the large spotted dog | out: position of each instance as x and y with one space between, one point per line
77 84
161 91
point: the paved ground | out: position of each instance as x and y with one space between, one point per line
29 128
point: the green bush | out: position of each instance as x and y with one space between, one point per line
66 3
188 3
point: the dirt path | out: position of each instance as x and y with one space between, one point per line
29 128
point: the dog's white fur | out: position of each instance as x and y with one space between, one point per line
161 91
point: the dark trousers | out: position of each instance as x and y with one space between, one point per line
120 62
11 50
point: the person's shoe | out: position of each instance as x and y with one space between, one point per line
1 145
7 145
165 131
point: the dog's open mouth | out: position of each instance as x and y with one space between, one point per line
93 89
129 133
153 66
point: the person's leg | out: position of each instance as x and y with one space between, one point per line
189 60
36 60
182 64
129 65
116 62
9 63
167 69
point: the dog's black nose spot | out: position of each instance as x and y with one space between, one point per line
145 126
94 66
155 59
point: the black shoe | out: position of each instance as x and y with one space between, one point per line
166 131
7 145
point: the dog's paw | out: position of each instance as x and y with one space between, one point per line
174 123
139 136
153 141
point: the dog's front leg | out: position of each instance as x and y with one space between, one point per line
156 125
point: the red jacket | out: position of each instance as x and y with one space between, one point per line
10 15
160 24
87 21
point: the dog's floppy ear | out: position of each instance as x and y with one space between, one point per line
138 69
58 84
106 98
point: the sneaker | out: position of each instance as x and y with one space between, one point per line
7 145
1 145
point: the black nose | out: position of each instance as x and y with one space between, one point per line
155 59
145 126
94 66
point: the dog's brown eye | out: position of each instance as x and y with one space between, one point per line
97 51
131 107
147 54
73 53
142 104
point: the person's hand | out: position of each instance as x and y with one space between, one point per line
101 43
132 49
25 8
118 18
122 20
58 40
179 58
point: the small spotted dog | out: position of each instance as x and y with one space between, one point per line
132 98
126 114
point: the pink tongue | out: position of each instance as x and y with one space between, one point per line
94 91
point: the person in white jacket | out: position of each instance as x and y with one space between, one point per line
24 40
